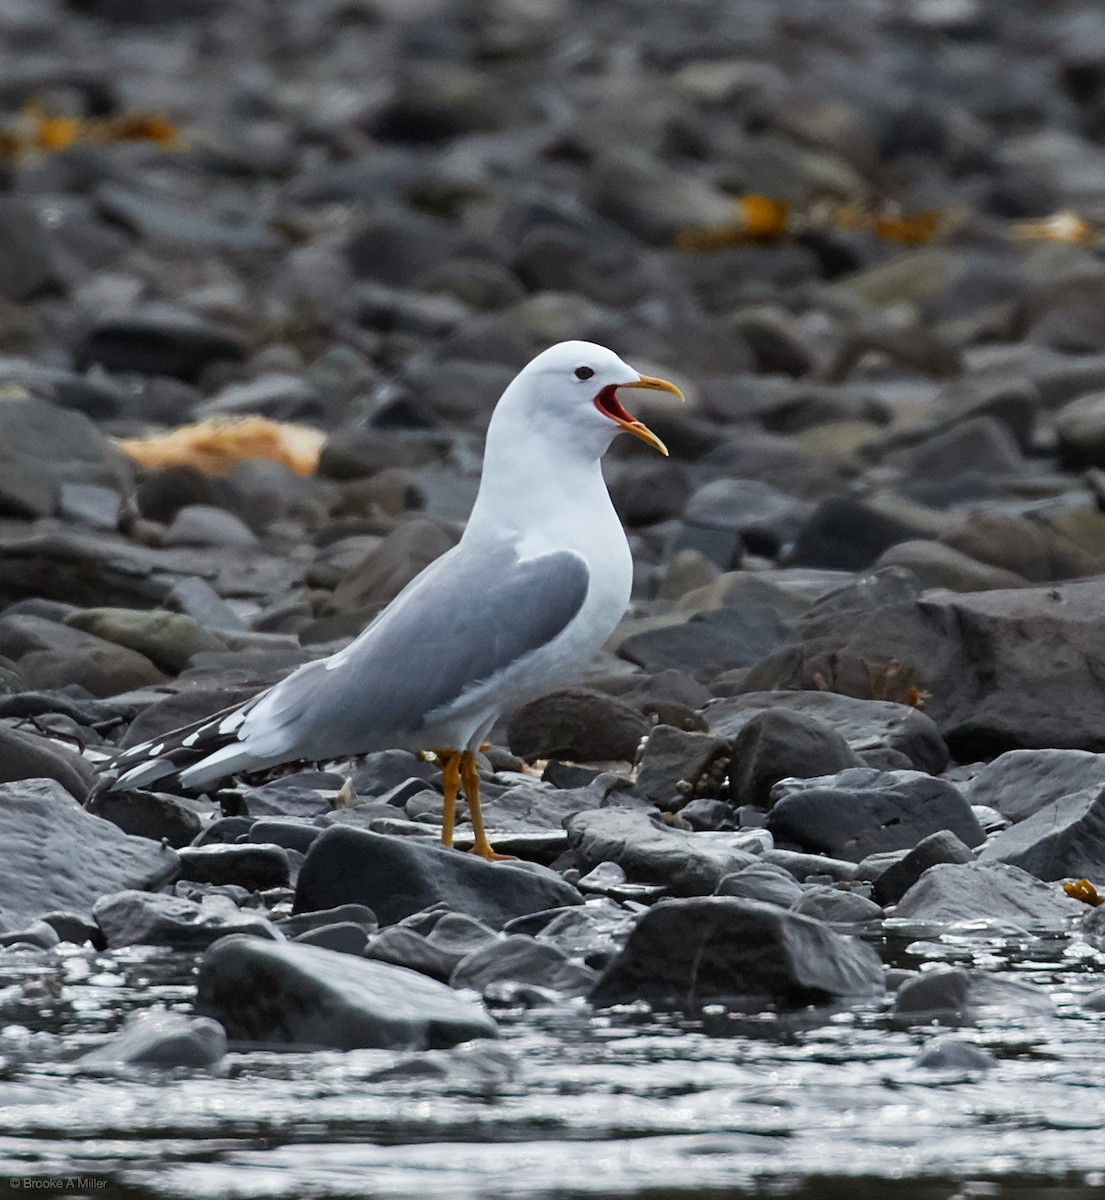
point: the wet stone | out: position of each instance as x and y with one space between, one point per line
398 876
149 815
133 918
836 906
345 937
891 885
688 864
161 1039
251 866
54 855
521 959
764 882
860 811
999 892
687 953
305 996
1065 839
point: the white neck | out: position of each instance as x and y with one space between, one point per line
534 480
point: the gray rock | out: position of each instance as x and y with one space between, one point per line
780 744
766 882
836 906
1019 783
31 264
953 892
870 727
387 569
1018 543
952 1053
766 518
531 807
717 640
252 866
345 937
160 341
43 448
293 995
891 885
352 914
160 221
159 1038
940 566
284 831
133 918
396 877
149 815
27 756
1080 430
688 864
938 995
206 525
672 757
522 959
54 855
862 811
577 724
1063 840
847 535
1005 669
40 934
408 948
687 953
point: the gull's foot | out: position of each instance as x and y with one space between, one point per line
484 850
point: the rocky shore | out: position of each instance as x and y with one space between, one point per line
860 695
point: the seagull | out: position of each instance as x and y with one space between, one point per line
536 584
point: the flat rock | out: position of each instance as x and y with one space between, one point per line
1019 783
836 906
398 876
719 640
862 811
134 918
158 341
868 726
530 807
54 855
1063 840
304 996
954 892
688 864
683 954
159 1038
253 866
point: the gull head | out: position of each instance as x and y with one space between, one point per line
569 393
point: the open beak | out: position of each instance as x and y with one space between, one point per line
609 405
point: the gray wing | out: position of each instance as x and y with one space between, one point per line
468 616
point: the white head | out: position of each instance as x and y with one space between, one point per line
568 394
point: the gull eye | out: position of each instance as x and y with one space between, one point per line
584 372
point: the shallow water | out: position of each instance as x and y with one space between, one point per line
569 1103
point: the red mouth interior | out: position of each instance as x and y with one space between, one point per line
609 405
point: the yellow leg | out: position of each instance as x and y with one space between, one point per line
470 776
450 763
